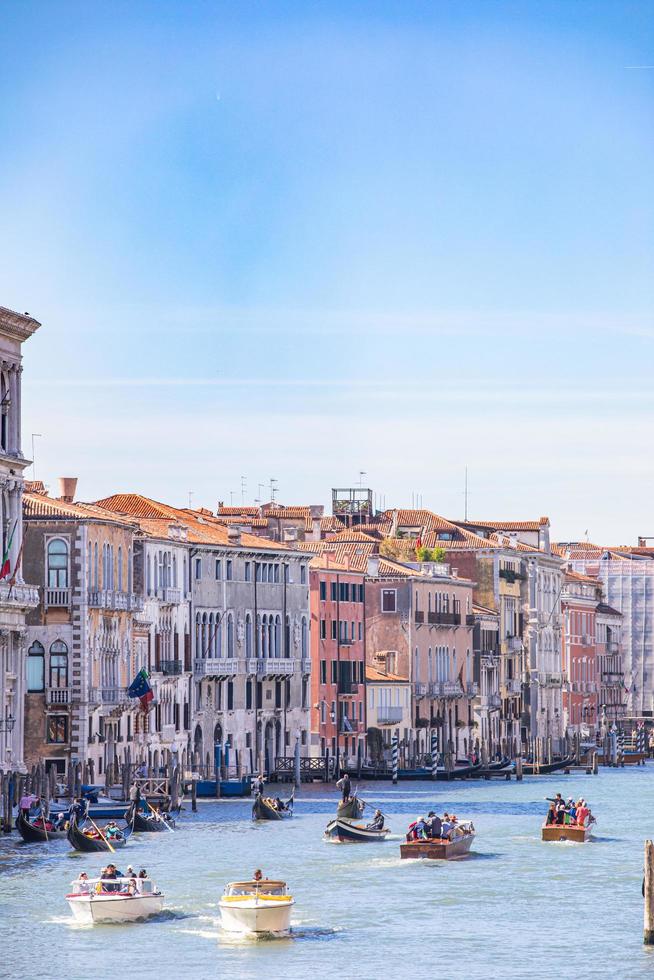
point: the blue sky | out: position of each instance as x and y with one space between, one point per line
302 240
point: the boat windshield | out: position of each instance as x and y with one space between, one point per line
109 886
254 887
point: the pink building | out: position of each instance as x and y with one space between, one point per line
579 601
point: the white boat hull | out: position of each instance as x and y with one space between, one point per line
256 918
90 909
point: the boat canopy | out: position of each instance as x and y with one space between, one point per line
84 886
252 887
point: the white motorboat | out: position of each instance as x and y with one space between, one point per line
114 899
260 907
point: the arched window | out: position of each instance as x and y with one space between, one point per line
120 568
36 667
264 637
305 639
278 636
211 638
148 576
198 635
57 564
58 664
95 565
130 571
258 637
230 636
248 635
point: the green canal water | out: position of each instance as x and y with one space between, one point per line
516 908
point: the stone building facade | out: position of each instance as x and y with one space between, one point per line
16 598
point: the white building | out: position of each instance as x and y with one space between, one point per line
15 597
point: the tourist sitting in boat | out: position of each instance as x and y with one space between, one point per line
558 805
417 830
143 873
112 830
446 826
83 886
110 872
377 823
433 825
132 887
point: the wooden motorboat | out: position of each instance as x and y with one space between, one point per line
114 900
439 849
344 831
256 908
33 833
81 841
350 809
571 832
264 808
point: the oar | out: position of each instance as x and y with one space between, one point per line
45 829
105 839
159 817
373 807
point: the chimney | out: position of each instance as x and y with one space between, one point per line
67 488
290 534
513 539
544 535
233 535
373 566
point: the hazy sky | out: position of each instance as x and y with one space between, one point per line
302 240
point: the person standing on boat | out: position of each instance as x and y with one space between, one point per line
27 801
345 786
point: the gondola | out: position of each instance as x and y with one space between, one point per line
148 823
350 809
262 810
36 835
529 769
80 842
347 831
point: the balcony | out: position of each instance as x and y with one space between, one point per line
420 690
472 689
491 702
109 599
214 666
58 695
345 641
171 668
168 733
512 685
551 680
57 598
170 596
306 665
389 716
470 619
444 618
136 603
452 689
420 616
513 644
489 659
274 667
108 695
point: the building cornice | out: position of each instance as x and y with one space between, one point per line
18 326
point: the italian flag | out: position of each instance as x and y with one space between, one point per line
6 566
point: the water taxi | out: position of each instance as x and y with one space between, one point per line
457 845
256 908
99 900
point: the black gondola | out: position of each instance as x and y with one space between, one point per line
529 769
148 823
79 841
263 810
36 835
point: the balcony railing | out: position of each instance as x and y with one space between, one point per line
491 701
111 599
168 733
58 695
306 665
444 618
420 690
452 689
171 668
513 643
420 616
513 685
274 667
389 716
472 689
108 695
170 595
215 667
346 641
551 680
57 598
470 619
136 602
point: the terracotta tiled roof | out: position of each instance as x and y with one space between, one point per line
353 536
35 486
509 525
242 521
417 518
38 505
578 577
331 524
372 674
238 511
483 610
199 529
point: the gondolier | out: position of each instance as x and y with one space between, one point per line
345 786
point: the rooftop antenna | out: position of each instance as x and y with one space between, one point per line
465 497
362 473
273 489
35 435
231 498
190 499
243 489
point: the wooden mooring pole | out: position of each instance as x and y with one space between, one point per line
648 931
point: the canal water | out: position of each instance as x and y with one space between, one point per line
516 908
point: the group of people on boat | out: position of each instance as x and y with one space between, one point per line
274 803
433 827
111 832
113 881
568 813
37 812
